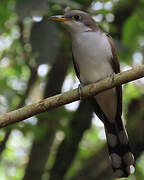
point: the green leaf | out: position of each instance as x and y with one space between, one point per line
131 31
131 91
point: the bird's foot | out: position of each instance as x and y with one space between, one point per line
112 76
80 91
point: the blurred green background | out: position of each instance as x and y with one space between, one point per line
67 143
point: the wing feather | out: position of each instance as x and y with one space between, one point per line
76 67
116 68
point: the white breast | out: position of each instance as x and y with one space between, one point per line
92 53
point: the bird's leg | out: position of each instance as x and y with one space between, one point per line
80 86
112 76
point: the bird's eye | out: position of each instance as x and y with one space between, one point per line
77 17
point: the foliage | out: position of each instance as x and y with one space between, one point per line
31 51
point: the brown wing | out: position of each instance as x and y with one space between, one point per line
114 61
116 68
76 67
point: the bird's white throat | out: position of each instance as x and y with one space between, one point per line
93 50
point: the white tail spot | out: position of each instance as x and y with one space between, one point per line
123 137
116 160
131 169
112 139
118 173
128 158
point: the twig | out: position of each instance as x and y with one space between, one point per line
70 96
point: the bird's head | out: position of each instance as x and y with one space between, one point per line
77 21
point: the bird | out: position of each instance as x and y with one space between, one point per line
95 58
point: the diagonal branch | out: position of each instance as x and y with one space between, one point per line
70 96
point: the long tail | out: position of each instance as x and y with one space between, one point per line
121 157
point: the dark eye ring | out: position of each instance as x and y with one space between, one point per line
77 17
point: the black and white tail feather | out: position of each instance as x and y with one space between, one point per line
122 159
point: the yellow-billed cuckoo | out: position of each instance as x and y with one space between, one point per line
95 58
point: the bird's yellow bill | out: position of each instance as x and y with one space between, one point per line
58 18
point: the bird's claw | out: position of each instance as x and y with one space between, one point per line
80 91
112 76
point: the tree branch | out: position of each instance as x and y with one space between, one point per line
70 96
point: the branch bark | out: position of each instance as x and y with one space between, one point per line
70 96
